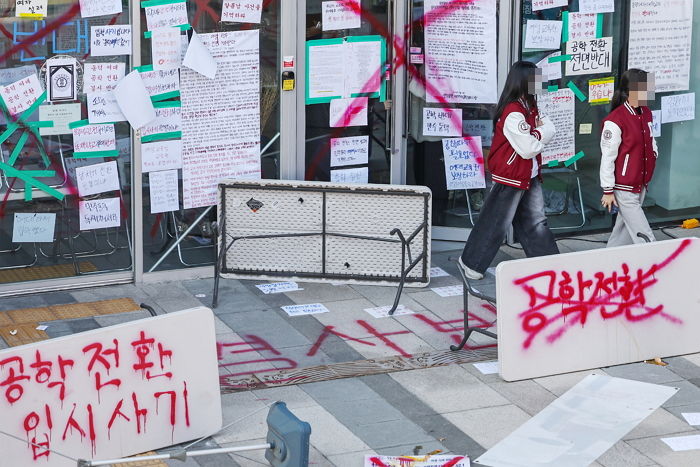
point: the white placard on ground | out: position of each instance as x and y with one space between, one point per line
354 175
33 227
487 368
693 418
164 191
278 287
100 213
542 34
449 291
442 121
683 443
348 112
343 14
383 311
438 272
351 150
678 108
307 309
110 40
97 178
538 5
112 392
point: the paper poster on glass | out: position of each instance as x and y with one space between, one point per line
589 56
464 163
61 79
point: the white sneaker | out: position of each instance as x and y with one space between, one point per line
468 272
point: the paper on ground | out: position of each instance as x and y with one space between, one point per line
308 309
438 272
134 101
683 443
199 59
41 327
383 311
487 368
449 291
693 418
278 287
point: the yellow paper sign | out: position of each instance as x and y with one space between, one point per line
600 90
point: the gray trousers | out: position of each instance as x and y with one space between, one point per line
630 219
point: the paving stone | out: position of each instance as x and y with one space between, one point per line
624 455
247 416
344 316
119 318
57 298
408 449
688 394
382 435
220 326
370 411
257 457
3 344
237 301
351 458
433 302
404 344
57 328
487 426
329 435
351 389
292 396
25 301
685 367
692 358
82 325
322 293
559 384
528 395
646 372
663 455
659 423
680 409
384 295
266 324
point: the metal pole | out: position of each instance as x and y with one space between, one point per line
180 455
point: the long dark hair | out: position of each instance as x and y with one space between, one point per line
622 93
516 87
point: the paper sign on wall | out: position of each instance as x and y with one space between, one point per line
97 178
678 108
326 71
538 5
31 8
166 48
540 34
550 71
99 213
482 128
358 175
589 56
33 227
559 106
103 108
91 8
159 82
348 112
601 90
596 6
198 58
582 26
102 77
337 15
442 122
92 138
110 40
164 191
464 163
656 123
166 15
134 100
168 122
61 115
161 155
353 150
21 94
61 79
249 11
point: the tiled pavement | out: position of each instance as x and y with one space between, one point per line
453 408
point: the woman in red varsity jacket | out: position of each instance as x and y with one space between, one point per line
629 155
514 163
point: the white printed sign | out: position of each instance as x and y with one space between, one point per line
308 309
460 51
656 123
166 15
97 178
538 5
352 150
541 34
558 107
31 8
161 155
357 175
348 112
33 227
160 82
678 108
164 191
99 213
103 108
91 8
168 120
344 14
91 138
166 48
550 71
110 40
61 115
278 287
574 311
439 460
582 26
249 11
102 77
383 311
21 94
596 6
111 392
464 163
482 128
442 122
589 56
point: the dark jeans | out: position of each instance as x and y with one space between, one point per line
505 205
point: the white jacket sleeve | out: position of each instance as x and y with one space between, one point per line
609 143
526 141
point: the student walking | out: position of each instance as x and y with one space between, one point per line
514 163
628 158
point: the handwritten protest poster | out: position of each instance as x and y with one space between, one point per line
481 128
167 124
538 5
442 122
419 461
678 108
31 8
336 15
356 175
161 83
464 163
660 42
161 155
582 26
460 51
91 8
656 123
33 227
559 107
92 138
166 48
601 90
97 178
589 56
164 191
61 115
352 150
221 117
348 112
102 77
116 391
249 11
550 71
21 94
61 79
103 108
163 15
542 34
110 40
99 213
596 6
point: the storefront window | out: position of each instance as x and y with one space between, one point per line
65 173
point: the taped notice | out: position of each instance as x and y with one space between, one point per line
464 163
442 122
102 77
110 40
94 138
345 14
31 8
21 94
348 112
61 115
99 213
540 34
601 90
559 107
352 150
166 15
678 108
589 56
91 8
97 178
33 227
356 175
164 191
249 11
